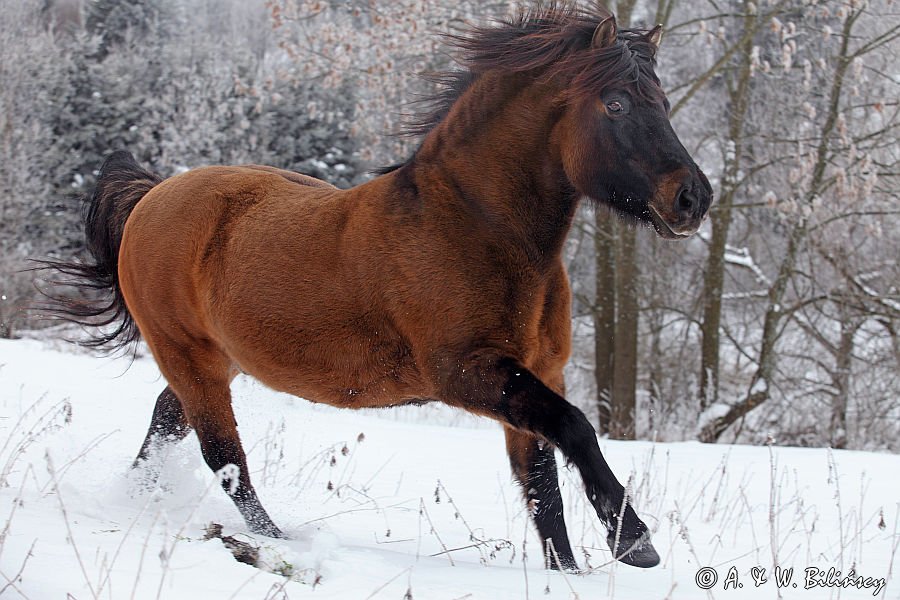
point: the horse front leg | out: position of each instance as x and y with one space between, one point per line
502 388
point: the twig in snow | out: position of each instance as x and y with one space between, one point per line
65 514
61 472
17 502
487 548
137 576
424 511
896 543
525 557
165 555
833 473
388 582
552 552
45 423
773 522
11 581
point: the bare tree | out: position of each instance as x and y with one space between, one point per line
825 169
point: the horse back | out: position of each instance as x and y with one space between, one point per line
293 177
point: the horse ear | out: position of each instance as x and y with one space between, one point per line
655 36
605 34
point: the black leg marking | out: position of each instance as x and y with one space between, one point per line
534 465
168 425
220 451
505 390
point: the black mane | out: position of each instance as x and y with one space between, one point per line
551 38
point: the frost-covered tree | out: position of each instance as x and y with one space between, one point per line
749 314
830 131
32 82
380 51
184 83
121 22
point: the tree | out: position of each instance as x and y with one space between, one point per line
32 79
825 167
729 293
121 22
380 50
617 308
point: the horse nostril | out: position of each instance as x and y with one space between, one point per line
687 202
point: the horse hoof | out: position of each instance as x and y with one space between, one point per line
636 552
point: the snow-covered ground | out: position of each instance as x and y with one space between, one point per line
412 503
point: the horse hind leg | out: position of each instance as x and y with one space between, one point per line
201 381
534 466
167 426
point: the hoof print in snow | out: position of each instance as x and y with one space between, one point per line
242 551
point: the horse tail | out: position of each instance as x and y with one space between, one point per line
120 186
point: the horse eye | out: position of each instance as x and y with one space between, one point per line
614 107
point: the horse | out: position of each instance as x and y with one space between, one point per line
439 280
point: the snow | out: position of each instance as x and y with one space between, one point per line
759 386
713 412
741 257
422 504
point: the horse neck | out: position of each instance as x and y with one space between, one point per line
496 152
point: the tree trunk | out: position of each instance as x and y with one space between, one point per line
759 386
720 214
604 314
713 284
616 311
624 385
840 401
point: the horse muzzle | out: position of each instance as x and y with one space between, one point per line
680 204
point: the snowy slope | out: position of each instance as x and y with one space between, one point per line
371 515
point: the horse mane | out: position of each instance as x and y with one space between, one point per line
553 38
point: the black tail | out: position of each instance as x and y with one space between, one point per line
120 185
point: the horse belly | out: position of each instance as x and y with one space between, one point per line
310 338
350 372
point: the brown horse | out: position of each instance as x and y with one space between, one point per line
440 280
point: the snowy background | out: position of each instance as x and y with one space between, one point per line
393 504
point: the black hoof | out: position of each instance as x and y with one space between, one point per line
635 552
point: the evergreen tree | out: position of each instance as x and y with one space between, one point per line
318 144
118 22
